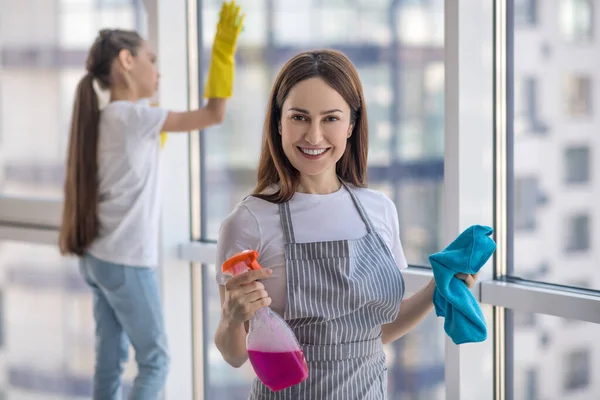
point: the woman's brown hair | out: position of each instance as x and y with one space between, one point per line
80 224
274 169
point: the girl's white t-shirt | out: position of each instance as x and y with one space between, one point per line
129 183
254 224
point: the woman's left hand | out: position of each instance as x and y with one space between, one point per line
468 279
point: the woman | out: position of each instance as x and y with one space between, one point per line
330 248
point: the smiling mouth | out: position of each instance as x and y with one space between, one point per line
313 152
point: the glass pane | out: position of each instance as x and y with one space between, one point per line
554 197
398 50
576 19
577 95
477 362
525 12
221 380
43 46
420 205
577 164
415 363
46 326
555 358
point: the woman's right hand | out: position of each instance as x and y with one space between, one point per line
244 295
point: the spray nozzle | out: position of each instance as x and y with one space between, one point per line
241 262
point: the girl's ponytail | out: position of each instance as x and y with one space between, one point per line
80 218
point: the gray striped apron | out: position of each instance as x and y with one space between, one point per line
339 293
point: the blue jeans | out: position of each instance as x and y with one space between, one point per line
127 307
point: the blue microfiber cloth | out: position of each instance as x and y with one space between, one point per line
464 321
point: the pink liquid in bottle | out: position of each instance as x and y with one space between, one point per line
279 370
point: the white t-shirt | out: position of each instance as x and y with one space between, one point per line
254 224
128 178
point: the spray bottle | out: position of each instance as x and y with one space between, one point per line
273 349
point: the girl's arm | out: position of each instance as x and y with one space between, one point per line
211 114
221 72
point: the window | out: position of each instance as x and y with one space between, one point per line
577 92
555 94
112 3
531 391
43 58
524 320
577 164
44 298
530 98
526 203
546 366
576 20
1 132
2 313
579 283
578 231
526 12
577 373
526 107
535 272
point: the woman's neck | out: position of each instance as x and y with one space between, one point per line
319 185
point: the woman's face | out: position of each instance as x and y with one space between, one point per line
315 126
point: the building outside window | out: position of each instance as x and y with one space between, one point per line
578 233
526 13
577 374
526 203
577 95
576 20
577 164
527 118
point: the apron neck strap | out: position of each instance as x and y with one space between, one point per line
285 216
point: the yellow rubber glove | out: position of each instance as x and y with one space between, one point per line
219 83
163 135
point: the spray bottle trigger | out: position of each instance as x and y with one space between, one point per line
247 257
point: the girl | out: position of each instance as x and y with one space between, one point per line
330 247
112 196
